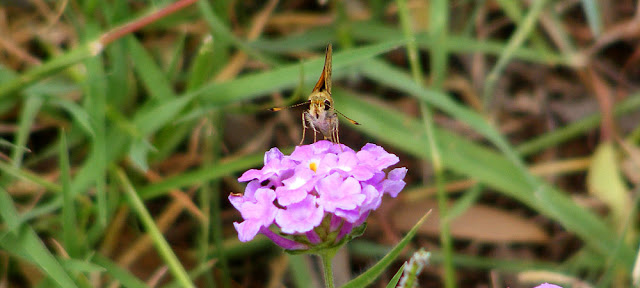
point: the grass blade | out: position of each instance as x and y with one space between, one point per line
628 105
524 28
465 157
161 244
393 77
27 117
201 175
251 86
49 68
153 78
221 30
123 276
70 228
95 104
458 44
25 242
394 281
77 113
438 22
366 278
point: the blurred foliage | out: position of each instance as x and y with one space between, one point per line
120 138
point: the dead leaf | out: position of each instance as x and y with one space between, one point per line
479 223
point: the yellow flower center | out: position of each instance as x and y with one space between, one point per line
313 166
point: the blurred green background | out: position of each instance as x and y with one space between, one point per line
125 124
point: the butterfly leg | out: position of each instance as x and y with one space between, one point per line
304 128
336 137
309 119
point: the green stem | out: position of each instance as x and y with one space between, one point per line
56 64
214 144
158 240
438 25
524 28
326 257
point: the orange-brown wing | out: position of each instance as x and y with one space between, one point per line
324 83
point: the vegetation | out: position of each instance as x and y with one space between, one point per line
124 126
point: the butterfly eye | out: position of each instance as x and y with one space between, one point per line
327 104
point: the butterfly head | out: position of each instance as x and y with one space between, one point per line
320 103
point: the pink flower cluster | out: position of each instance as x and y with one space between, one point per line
318 183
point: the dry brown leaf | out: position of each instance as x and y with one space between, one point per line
479 223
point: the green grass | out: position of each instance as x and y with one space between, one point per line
90 120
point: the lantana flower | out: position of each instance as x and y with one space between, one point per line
316 196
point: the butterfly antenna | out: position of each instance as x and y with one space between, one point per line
348 119
274 109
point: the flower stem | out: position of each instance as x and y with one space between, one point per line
326 257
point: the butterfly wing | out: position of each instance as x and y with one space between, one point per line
324 83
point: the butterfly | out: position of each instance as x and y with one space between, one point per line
321 115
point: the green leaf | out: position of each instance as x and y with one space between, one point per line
484 165
7 144
70 228
151 75
151 119
522 32
200 175
25 242
367 249
121 86
7 211
27 117
295 42
174 69
158 116
251 86
138 154
372 273
49 68
220 30
201 68
95 102
77 113
123 276
385 73
394 281
577 128
456 44
605 182
29 176
80 266
158 240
